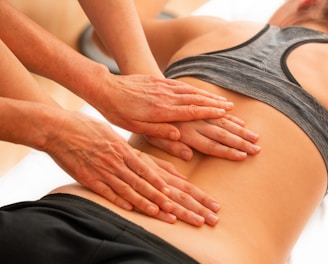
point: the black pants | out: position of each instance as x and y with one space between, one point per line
63 228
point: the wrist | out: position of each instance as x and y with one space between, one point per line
26 123
48 125
90 82
86 79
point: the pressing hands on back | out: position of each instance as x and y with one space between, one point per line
89 150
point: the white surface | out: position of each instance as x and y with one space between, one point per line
37 174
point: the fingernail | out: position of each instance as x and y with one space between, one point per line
152 210
214 206
253 136
198 220
255 148
242 154
229 105
186 155
212 219
167 207
166 191
127 206
171 218
221 111
174 135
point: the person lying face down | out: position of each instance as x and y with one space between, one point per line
276 75
91 152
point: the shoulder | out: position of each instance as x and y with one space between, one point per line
223 36
200 25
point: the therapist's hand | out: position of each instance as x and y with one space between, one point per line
144 104
191 205
95 156
224 138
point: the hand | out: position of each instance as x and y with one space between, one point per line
191 205
224 138
95 156
143 104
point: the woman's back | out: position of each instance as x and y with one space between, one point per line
266 199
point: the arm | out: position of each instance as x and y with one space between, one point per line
225 137
119 28
171 35
95 157
90 151
156 100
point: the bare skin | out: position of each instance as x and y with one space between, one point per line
90 151
263 205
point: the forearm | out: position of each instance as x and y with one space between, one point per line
44 54
118 26
17 82
149 9
26 123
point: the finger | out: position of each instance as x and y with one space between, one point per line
134 182
159 130
225 145
180 109
165 217
186 188
235 120
210 142
188 112
175 148
138 193
155 197
190 197
105 191
167 166
215 149
142 167
196 206
200 100
235 128
191 203
225 139
183 88
150 183
188 216
191 211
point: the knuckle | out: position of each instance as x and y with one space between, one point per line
123 190
183 197
193 109
142 170
198 99
211 146
136 184
231 153
116 200
223 135
188 189
221 122
186 214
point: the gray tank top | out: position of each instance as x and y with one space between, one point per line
258 69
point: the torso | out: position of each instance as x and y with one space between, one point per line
266 199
